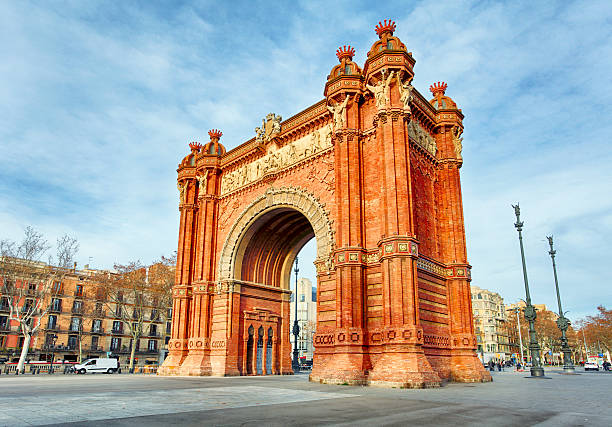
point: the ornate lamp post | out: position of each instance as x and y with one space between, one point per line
296 326
562 322
530 311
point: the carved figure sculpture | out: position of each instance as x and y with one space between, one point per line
338 113
202 184
259 134
405 90
381 90
458 141
181 189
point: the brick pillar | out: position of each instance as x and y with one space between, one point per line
464 365
198 359
402 362
181 307
347 360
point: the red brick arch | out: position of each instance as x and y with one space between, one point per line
372 172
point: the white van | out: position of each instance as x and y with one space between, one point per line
108 366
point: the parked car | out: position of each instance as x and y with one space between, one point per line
591 366
108 366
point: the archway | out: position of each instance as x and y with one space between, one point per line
258 257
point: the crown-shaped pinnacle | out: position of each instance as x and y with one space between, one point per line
345 52
385 27
214 134
438 89
195 146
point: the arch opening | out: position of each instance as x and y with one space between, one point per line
267 250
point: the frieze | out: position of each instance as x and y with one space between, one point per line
427 265
277 159
422 138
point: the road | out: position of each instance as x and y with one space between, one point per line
122 400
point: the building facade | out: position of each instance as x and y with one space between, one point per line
307 318
78 325
491 325
372 173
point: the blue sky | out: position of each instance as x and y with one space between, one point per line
99 102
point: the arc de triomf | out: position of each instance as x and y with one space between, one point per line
372 173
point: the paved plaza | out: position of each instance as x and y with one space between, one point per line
511 399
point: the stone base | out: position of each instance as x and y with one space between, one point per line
466 367
339 369
196 364
404 368
172 364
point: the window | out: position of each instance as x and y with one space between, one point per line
94 343
347 69
79 291
153 331
117 326
115 343
56 305
77 307
4 323
57 287
389 44
72 342
479 296
75 324
52 324
4 303
96 326
168 328
152 345
91 363
302 298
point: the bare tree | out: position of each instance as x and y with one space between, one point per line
134 294
28 283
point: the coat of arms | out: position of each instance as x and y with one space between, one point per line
271 126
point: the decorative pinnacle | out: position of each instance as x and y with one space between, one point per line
438 89
386 27
345 52
195 146
214 134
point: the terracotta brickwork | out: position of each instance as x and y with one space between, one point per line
372 173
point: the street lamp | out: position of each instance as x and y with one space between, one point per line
296 326
562 322
530 311
53 340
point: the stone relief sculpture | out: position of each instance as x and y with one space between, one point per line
181 189
277 159
338 113
405 90
458 141
381 90
422 138
202 184
270 127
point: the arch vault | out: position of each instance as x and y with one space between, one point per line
372 173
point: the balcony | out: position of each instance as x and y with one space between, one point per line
55 308
4 308
117 331
77 310
5 327
53 327
99 313
79 294
94 348
99 331
153 334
